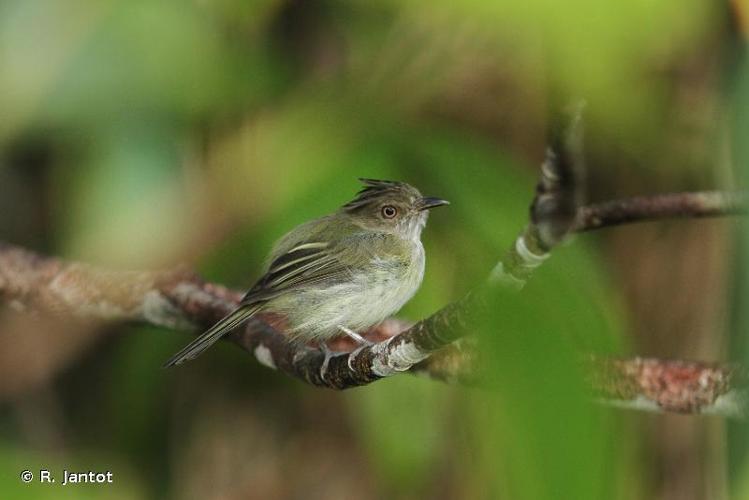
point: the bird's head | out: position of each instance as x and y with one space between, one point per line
391 207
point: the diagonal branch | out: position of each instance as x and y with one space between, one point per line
436 345
181 300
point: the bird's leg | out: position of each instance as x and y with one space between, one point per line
357 338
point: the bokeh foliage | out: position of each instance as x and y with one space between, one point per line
199 132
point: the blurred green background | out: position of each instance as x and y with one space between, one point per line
146 135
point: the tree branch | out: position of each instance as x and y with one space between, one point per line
554 210
664 206
436 345
181 300
670 386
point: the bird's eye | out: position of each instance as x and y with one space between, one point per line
389 211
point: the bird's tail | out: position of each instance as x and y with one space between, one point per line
213 334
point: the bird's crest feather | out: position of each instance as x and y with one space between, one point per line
374 190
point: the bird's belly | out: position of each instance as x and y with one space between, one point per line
359 303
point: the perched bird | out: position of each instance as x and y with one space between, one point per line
342 273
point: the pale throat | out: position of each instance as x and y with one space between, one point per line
411 228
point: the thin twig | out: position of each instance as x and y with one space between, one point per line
662 206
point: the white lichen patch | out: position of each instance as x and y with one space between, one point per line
500 277
158 310
638 403
186 290
731 404
400 358
82 302
264 356
100 309
530 259
17 305
381 369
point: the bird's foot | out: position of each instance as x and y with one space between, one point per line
328 354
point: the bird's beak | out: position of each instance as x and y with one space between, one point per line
427 203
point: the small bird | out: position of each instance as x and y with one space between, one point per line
339 274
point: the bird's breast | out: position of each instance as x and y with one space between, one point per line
370 294
393 281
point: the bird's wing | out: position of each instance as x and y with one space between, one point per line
301 265
294 265
304 264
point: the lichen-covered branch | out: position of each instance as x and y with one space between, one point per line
531 249
436 345
181 300
670 386
555 207
173 299
557 210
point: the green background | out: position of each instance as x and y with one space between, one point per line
146 135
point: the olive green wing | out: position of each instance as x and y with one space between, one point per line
296 263
304 264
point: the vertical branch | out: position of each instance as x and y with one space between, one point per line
559 194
